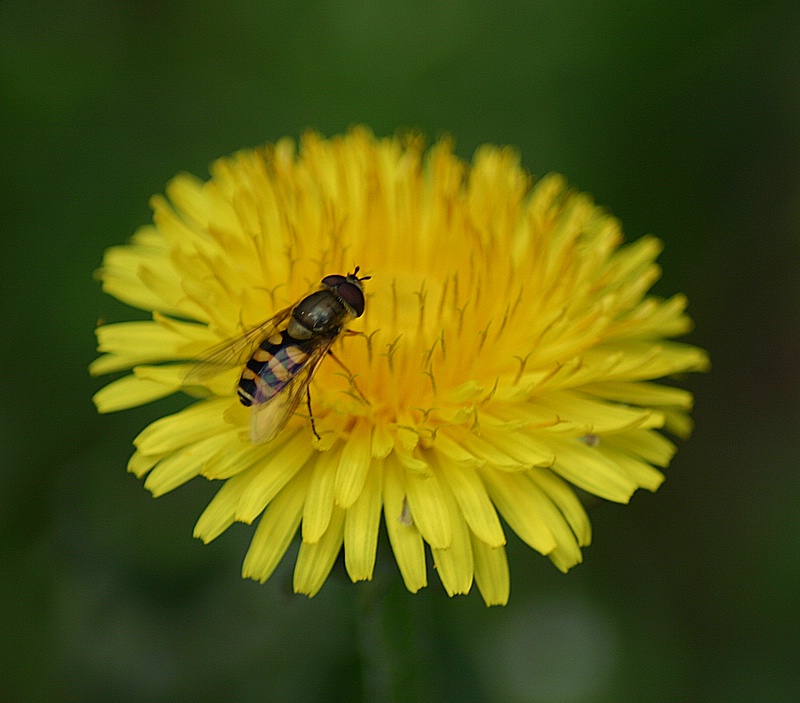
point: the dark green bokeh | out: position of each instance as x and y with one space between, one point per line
683 119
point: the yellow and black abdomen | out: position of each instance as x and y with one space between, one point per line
277 361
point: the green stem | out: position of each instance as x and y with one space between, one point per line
390 661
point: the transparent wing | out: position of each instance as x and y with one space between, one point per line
234 352
268 419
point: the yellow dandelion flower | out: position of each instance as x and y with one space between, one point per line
505 356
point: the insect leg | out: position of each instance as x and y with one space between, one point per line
311 414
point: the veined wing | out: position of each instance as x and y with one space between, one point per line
270 417
234 352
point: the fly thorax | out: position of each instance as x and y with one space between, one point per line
320 313
296 330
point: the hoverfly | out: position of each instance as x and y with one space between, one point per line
287 350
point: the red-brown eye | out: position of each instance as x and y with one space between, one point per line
352 295
333 281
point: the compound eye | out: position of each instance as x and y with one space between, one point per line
352 295
333 281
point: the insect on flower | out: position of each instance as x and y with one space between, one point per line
286 351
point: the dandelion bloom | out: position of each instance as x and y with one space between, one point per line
506 355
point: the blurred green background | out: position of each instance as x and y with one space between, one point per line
682 118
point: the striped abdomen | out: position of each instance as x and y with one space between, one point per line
277 361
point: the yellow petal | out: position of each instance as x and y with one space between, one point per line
220 513
454 564
592 471
411 462
406 541
453 451
641 393
129 344
319 501
276 529
426 500
361 524
646 444
185 427
678 423
496 456
182 465
315 561
273 475
474 502
382 441
639 471
139 464
521 503
120 273
565 556
592 416
567 552
354 464
192 199
566 501
524 448
491 572
235 456
128 392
